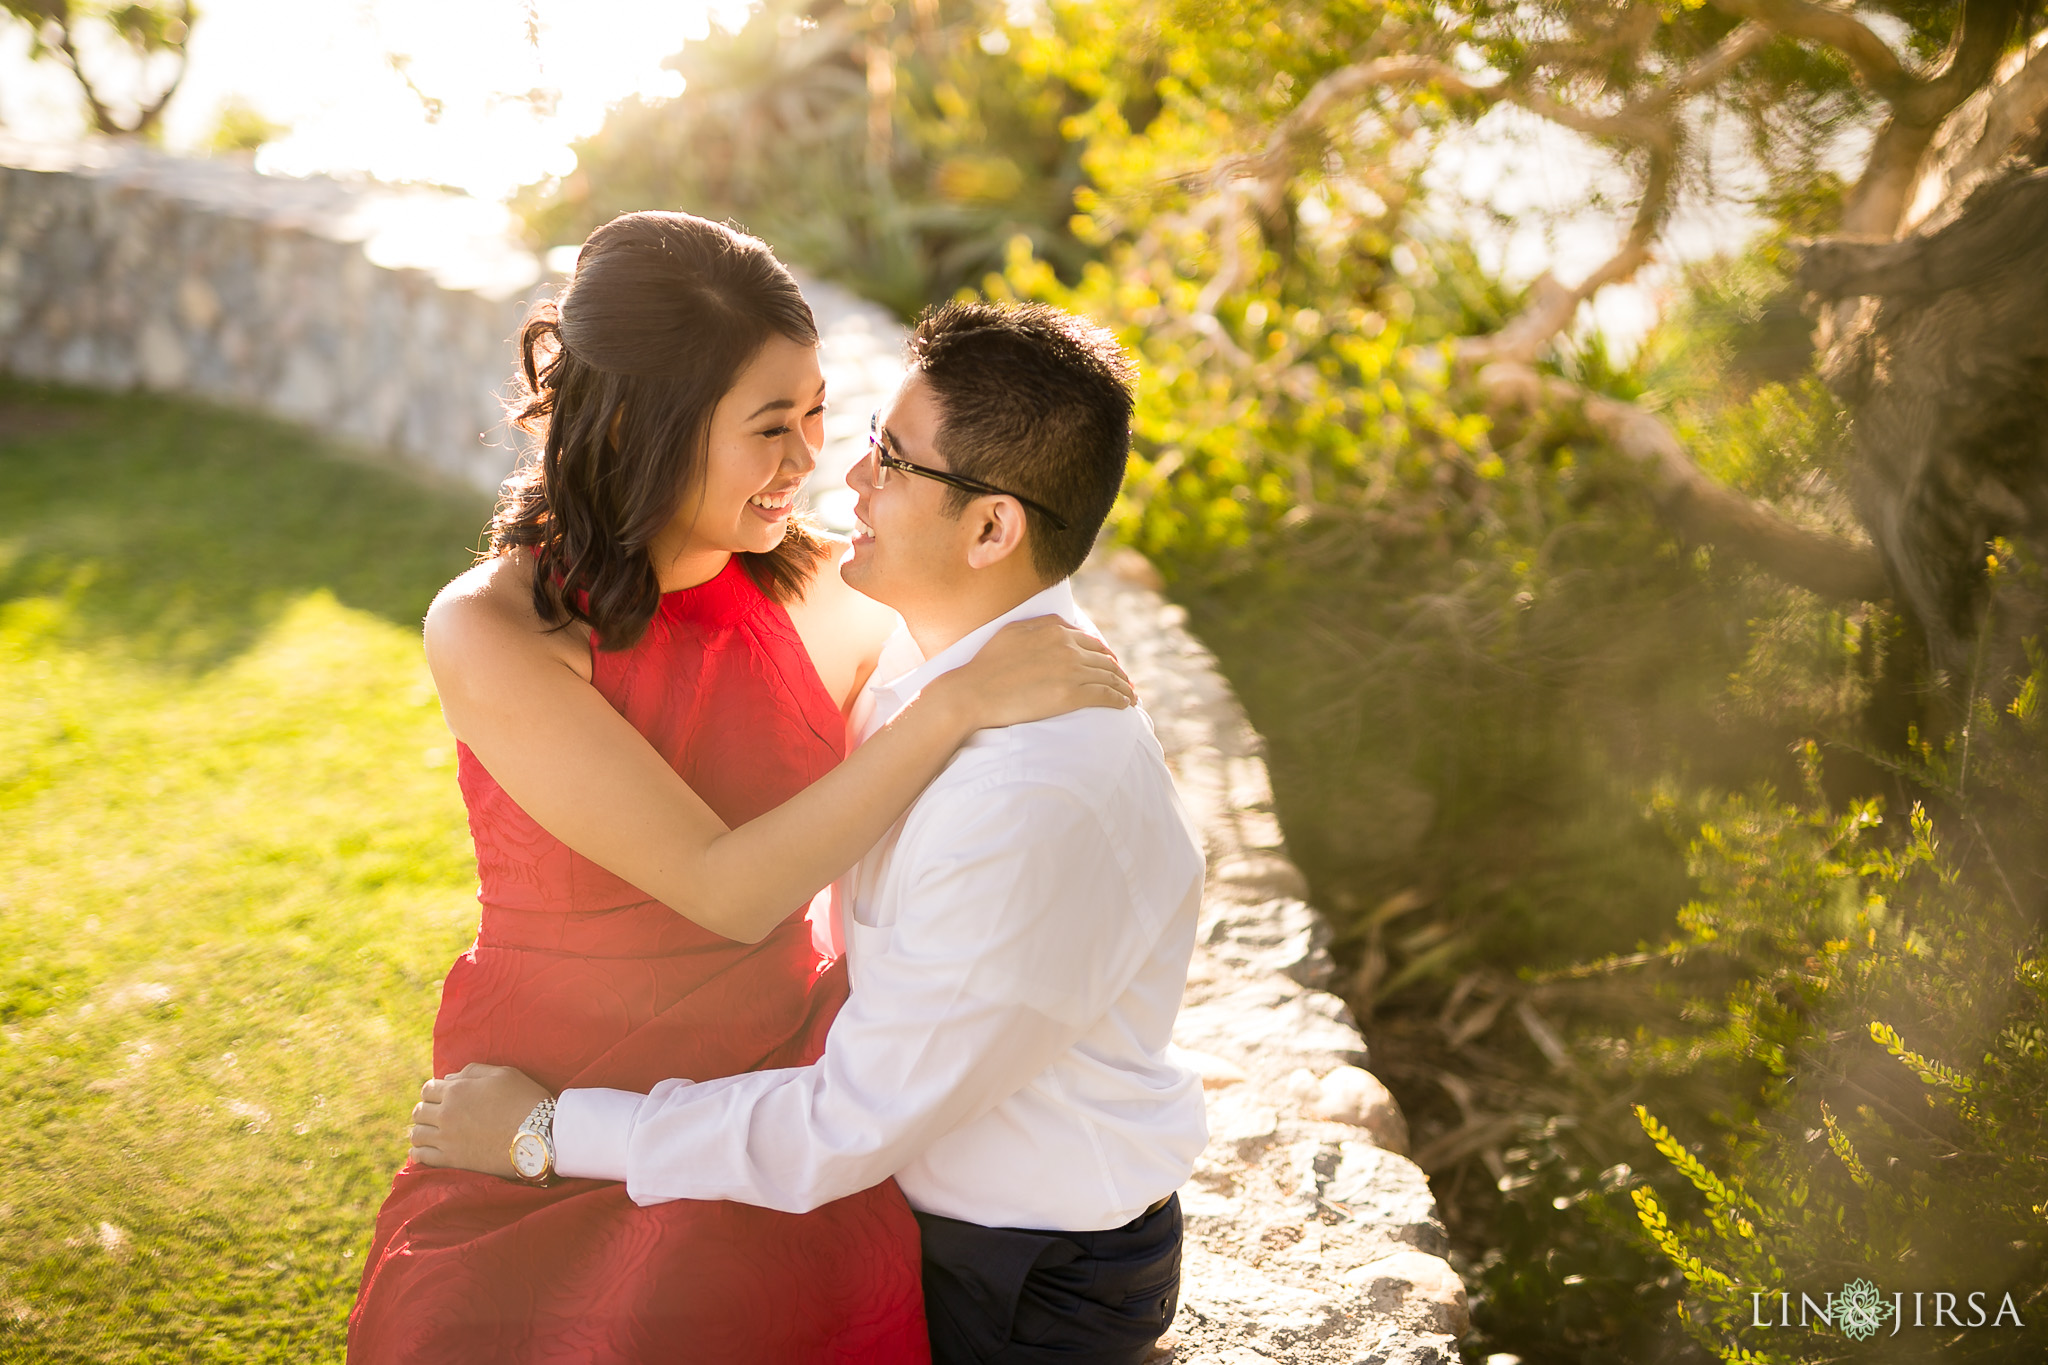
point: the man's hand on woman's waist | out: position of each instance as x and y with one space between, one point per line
468 1120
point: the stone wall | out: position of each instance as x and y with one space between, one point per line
384 317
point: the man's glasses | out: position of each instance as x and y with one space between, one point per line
886 460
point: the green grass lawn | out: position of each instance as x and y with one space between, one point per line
233 869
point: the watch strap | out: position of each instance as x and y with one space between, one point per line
541 1124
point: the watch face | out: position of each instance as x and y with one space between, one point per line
529 1155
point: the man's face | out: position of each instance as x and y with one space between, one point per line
906 551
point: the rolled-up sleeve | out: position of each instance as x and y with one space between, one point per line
1020 929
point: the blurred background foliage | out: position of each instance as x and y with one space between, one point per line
1694 918
1527 745
897 150
146 40
1606 824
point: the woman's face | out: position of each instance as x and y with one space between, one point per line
764 440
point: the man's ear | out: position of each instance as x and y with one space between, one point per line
1000 531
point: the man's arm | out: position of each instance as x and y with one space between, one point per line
1017 935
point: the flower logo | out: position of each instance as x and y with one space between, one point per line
1860 1310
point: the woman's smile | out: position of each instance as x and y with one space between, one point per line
776 504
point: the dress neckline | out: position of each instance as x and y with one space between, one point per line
723 598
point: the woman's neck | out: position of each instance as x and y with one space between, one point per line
687 567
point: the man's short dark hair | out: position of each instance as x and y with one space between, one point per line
1036 402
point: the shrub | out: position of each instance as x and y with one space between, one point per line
894 149
1893 1004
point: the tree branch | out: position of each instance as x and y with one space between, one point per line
1878 204
2018 113
2003 220
1552 305
1973 53
1603 38
1741 41
1643 122
1867 54
153 111
148 111
1646 122
1632 123
102 117
1698 508
1918 104
2014 120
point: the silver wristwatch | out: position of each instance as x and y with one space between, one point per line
533 1146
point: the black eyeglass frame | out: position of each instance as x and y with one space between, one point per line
878 442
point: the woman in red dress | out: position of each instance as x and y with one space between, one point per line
648 679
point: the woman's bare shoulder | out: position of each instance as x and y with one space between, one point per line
491 596
490 610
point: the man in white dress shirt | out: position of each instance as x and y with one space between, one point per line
1018 944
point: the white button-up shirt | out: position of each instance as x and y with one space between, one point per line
1018 946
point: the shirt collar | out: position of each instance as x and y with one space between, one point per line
901 652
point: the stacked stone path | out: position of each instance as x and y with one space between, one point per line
1311 1236
385 317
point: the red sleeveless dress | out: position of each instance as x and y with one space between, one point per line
579 979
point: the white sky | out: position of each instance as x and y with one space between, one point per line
323 68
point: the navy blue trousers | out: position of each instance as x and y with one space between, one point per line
1018 1296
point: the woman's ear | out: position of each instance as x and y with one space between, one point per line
1000 531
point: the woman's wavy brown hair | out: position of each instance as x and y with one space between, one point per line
620 373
